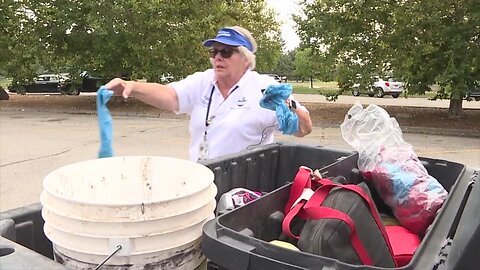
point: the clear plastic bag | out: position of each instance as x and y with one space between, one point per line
393 167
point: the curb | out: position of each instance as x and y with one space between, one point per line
405 129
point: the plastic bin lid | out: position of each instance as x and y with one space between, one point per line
466 242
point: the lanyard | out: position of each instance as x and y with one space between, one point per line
208 108
208 121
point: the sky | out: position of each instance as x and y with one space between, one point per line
285 8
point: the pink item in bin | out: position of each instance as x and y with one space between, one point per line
392 167
414 196
236 198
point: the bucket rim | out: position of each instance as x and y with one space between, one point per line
211 177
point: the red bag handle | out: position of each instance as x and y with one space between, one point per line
288 219
302 180
321 212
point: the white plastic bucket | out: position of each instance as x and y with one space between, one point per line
154 207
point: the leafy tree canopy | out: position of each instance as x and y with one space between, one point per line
140 39
285 64
423 42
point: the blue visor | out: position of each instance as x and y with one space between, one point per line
229 36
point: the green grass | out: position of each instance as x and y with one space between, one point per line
5 82
318 87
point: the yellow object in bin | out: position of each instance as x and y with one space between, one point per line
284 244
389 220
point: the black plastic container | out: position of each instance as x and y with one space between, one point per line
25 245
239 239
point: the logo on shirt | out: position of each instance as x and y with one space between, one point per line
241 102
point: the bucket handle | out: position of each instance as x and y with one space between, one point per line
119 246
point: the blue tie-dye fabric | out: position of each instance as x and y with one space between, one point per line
104 122
274 99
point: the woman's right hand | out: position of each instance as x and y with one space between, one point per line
120 87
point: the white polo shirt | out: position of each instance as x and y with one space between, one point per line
238 123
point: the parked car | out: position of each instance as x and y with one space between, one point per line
381 87
473 93
91 82
276 77
45 83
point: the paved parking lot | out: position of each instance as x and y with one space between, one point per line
32 144
388 100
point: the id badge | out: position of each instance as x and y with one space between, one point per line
203 149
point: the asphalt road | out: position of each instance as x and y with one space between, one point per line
32 144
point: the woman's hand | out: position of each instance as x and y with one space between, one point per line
305 122
121 87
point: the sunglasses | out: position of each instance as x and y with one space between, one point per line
225 52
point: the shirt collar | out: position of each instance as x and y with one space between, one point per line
241 83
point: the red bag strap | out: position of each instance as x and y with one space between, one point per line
302 180
321 212
288 219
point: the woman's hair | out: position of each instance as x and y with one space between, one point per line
250 55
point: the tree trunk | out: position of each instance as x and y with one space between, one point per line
455 109
311 82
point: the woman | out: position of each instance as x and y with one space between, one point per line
223 102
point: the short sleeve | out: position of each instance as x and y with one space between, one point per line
189 90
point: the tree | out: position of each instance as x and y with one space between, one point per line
285 65
138 39
19 57
444 47
305 65
312 64
423 42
